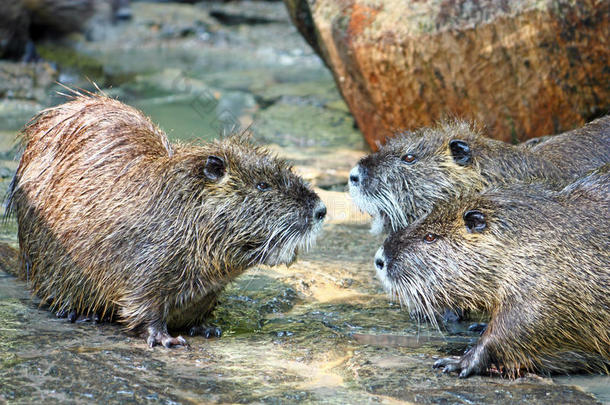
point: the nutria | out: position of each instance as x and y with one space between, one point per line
113 219
536 260
408 176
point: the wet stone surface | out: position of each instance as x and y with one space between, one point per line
320 331
290 334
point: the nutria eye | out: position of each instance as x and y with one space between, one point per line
430 237
262 186
409 158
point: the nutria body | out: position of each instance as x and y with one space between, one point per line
113 219
536 260
413 172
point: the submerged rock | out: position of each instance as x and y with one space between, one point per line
524 68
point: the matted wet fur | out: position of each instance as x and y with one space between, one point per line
115 220
414 171
536 260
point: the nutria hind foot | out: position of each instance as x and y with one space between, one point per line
479 327
205 330
452 315
471 363
450 365
158 335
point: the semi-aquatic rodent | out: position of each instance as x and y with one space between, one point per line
114 219
414 171
536 260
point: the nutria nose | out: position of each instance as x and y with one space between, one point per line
380 259
320 212
354 176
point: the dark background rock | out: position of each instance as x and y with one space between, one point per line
524 68
14 28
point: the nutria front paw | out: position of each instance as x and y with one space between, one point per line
479 327
452 315
160 337
466 365
207 331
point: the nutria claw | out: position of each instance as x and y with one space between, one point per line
74 317
478 327
450 365
206 331
158 337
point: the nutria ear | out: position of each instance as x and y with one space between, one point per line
475 221
461 152
214 168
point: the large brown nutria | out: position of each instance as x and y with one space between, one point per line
413 172
113 219
536 260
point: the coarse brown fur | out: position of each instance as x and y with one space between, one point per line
113 219
455 158
536 260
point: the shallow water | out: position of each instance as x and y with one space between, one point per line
321 331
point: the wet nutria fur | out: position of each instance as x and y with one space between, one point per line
113 219
413 172
536 260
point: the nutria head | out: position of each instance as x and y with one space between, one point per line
248 206
408 175
414 171
460 254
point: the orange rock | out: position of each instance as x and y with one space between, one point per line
524 68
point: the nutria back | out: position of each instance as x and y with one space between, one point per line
113 219
578 151
412 173
535 259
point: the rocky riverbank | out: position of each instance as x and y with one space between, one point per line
320 331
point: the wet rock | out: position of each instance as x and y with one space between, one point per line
523 68
29 81
311 127
6 172
233 18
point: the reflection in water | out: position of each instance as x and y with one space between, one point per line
410 341
599 385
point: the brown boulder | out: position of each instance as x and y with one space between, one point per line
524 68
